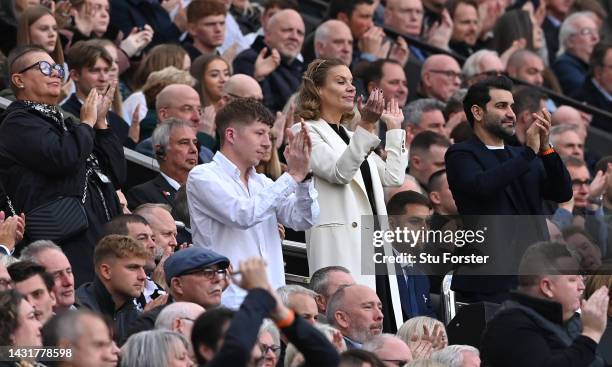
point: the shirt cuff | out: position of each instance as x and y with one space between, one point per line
5 251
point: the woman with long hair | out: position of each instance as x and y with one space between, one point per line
348 178
37 26
211 73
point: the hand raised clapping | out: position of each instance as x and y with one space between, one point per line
373 108
297 153
392 115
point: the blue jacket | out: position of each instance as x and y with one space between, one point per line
571 72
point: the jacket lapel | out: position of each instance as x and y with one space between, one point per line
335 141
165 189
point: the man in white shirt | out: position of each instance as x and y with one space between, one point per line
235 211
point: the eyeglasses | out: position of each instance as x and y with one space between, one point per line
209 274
581 182
397 362
187 318
46 68
448 73
492 73
265 348
587 32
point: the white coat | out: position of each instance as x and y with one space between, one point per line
337 237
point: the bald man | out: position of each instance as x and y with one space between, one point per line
440 78
571 116
241 86
181 102
273 59
527 66
333 39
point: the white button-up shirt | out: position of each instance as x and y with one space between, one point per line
241 222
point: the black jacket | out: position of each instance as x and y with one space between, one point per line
116 123
242 335
506 199
528 332
40 162
590 94
157 190
280 84
95 297
128 14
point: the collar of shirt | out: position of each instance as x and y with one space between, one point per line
601 90
556 22
172 182
228 166
494 147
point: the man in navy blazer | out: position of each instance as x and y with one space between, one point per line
502 187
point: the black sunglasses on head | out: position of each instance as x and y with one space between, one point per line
46 68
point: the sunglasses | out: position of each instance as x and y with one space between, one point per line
46 68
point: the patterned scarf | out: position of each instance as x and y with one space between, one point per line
47 111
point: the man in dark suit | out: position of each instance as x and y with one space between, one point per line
175 146
597 88
491 181
411 210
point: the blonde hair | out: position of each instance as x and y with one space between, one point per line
308 101
271 168
29 17
160 57
160 79
118 247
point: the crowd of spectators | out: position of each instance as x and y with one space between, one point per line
316 121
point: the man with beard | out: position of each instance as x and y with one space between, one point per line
488 178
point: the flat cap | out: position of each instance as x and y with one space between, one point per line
192 258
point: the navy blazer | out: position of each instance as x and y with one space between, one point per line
486 195
571 72
480 184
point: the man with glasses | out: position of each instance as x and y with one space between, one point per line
6 282
481 65
195 274
440 78
90 68
578 36
179 317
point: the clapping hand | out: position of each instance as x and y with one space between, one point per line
83 19
373 108
11 230
137 40
265 65
392 115
439 34
594 314
103 104
297 153
544 123
89 109
134 131
423 346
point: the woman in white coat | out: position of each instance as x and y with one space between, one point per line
348 177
